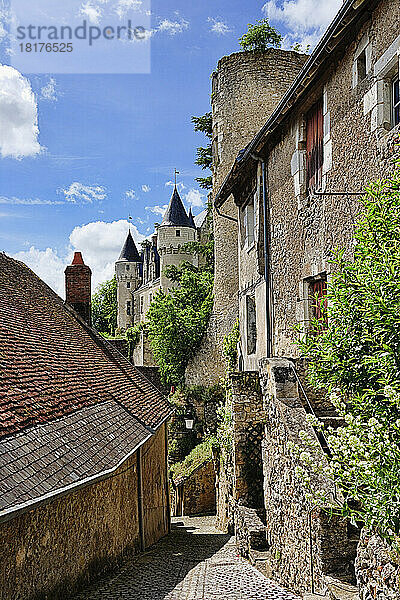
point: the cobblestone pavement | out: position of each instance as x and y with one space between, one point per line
195 562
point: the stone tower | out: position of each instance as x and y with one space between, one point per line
246 88
128 272
78 277
176 229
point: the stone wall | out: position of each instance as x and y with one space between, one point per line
51 550
305 543
196 494
156 509
377 569
239 472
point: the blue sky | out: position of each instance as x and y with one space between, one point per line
105 146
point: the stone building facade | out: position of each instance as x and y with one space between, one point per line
294 190
83 443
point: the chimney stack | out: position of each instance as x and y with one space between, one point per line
78 278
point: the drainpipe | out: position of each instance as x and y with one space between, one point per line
267 274
140 499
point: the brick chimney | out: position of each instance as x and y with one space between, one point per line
78 287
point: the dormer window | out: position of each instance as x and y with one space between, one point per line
178 233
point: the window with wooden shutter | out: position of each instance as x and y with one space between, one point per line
315 146
318 300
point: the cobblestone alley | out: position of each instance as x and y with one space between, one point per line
195 562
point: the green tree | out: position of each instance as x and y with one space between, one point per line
104 307
357 360
260 37
177 320
204 154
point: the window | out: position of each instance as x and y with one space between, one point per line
178 233
251 324
128 285
127 267
248 223
318 300
141 304
361 66
128 307
314 146
395 101
151 298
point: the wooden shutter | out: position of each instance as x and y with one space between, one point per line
315 146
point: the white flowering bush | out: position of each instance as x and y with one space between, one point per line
357 359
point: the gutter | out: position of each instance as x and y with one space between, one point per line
303 79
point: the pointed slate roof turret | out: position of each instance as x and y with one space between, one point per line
191 219
129 251
176 214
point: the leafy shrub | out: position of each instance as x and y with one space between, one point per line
260 37
177 320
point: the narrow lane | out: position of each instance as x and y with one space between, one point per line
195 562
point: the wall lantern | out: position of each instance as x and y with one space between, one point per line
189 420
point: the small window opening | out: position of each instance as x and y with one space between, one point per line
128 307
361 66
128 285
127 267
141 304
251 323
178 233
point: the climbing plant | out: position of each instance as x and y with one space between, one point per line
357 359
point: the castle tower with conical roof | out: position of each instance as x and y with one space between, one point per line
128 272
175 230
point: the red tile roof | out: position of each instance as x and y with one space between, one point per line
51 364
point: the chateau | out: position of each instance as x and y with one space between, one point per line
140 275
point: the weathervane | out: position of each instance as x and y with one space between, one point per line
130 219
176 173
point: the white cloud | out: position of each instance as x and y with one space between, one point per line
157 210
195 198
124 6
49 92
306 20
179 185
28 201
173 27
100 243
146 188
218 26
85 193
130 194
47 264
91 12
18 115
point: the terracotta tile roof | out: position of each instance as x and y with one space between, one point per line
51 364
